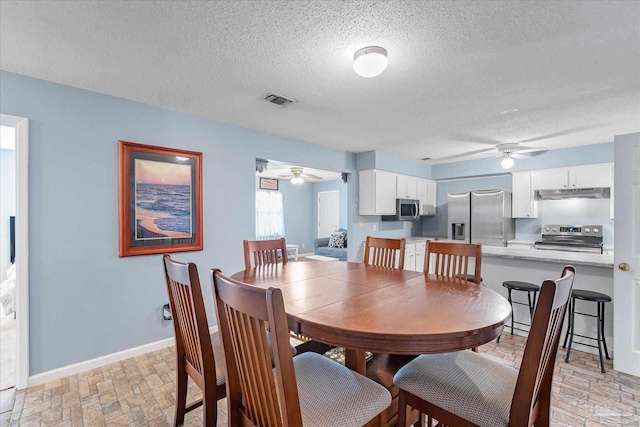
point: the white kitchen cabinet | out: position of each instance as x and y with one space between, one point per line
377 192
524 204
420 250
427 196
410 257
589 176
550 179
414 256
406 187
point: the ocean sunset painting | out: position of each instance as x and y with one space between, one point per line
162 200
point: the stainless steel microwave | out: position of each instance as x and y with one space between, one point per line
406 210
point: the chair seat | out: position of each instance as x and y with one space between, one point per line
590 295
218 355
333 395
520 286
473 387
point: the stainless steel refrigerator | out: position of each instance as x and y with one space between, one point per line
481 217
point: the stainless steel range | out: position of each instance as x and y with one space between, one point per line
573 238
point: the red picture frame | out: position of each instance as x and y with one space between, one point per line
159 200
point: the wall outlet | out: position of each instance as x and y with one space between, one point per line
303 246
375 226
360 224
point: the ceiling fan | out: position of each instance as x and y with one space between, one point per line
508 151
298 176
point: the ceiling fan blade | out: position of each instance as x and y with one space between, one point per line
459 136
563 132
311 176
520 156
467 154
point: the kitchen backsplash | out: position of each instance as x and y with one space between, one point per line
570 211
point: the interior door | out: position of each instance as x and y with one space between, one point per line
328 212
626 271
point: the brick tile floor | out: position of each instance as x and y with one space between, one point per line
141 392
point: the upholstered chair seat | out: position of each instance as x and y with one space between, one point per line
471 386
356 401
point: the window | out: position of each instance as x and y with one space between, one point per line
269 215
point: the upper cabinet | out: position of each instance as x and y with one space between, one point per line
406 187
379 190
523 202
590 176
427 196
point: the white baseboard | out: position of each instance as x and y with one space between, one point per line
76 368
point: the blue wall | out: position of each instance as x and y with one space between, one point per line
299 212
85 301
484 174
576 156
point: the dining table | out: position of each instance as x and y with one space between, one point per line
382 310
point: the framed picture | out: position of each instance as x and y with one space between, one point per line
159 199
268 184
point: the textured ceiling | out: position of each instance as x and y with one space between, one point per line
461 74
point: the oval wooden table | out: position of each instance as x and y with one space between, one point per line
382 310
395 314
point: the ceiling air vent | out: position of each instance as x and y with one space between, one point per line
426 158
278 100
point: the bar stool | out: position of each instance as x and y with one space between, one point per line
529 288
600 299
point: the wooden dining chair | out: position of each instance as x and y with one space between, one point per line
452 259
264 252
467 389
384 252
308 390
198 354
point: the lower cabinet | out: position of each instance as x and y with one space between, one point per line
414 256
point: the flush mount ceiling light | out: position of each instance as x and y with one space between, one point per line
370 61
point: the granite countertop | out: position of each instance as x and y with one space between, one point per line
561 257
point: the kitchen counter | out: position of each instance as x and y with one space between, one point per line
561 257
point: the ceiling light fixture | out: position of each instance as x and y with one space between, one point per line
297 179
507 162
370 61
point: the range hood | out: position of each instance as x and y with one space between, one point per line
568 193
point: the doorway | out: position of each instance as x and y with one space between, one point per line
14 295
328 212
8 334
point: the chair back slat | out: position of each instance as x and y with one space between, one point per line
452 259
256 396
193 343
264 252
536 371
384 252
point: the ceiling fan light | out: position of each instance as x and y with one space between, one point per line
297 180
370 61
507 162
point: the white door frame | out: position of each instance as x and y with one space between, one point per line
318 204
21 125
